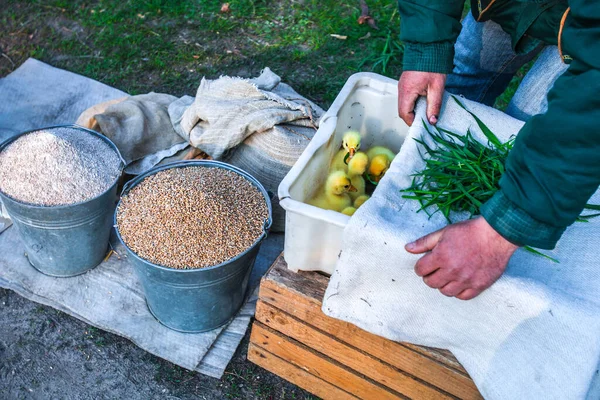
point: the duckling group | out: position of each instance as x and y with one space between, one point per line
345 188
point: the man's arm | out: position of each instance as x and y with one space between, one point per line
428 30
551 172
554 166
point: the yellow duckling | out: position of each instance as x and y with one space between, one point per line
350 145
377 150
378 167
338 164
358 165
334 195
351 142
349 211
356 168
360 200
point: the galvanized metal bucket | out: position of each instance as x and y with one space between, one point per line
64 241
196 300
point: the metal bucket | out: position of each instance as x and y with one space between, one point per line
196 300
64 241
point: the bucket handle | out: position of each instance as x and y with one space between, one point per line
269 220
127 186
267 225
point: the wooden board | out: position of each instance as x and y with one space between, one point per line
290 323
296 375
317 365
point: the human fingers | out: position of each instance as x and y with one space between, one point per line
435 93
437 279
426 265
406 106
453 288
468 294
425 243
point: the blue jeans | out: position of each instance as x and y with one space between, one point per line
484 64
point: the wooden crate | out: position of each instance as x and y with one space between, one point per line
332 359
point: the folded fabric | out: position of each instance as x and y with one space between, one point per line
141 128
87 119
533 335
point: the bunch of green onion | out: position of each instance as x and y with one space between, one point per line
461 173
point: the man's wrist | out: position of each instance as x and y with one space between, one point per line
518 227
497 237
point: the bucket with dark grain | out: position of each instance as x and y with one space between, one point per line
59 187
192 230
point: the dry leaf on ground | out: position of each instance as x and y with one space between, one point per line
365 17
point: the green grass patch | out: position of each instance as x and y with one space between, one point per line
167 46
152 45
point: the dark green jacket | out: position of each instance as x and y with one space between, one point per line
554 166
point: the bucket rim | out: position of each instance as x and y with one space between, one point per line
7 142
199 163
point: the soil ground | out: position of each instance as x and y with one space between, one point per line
46 354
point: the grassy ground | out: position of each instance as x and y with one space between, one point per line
167 46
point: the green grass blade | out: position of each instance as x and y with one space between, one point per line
586 216
486 131
538 253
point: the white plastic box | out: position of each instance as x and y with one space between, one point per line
367 103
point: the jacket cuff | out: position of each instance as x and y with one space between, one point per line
429 57
518 227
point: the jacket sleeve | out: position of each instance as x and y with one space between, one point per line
429 30
554 166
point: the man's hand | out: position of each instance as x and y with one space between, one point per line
413 84
464 259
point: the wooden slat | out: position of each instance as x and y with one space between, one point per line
299 294
349 356
318 364
439 355
295 375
